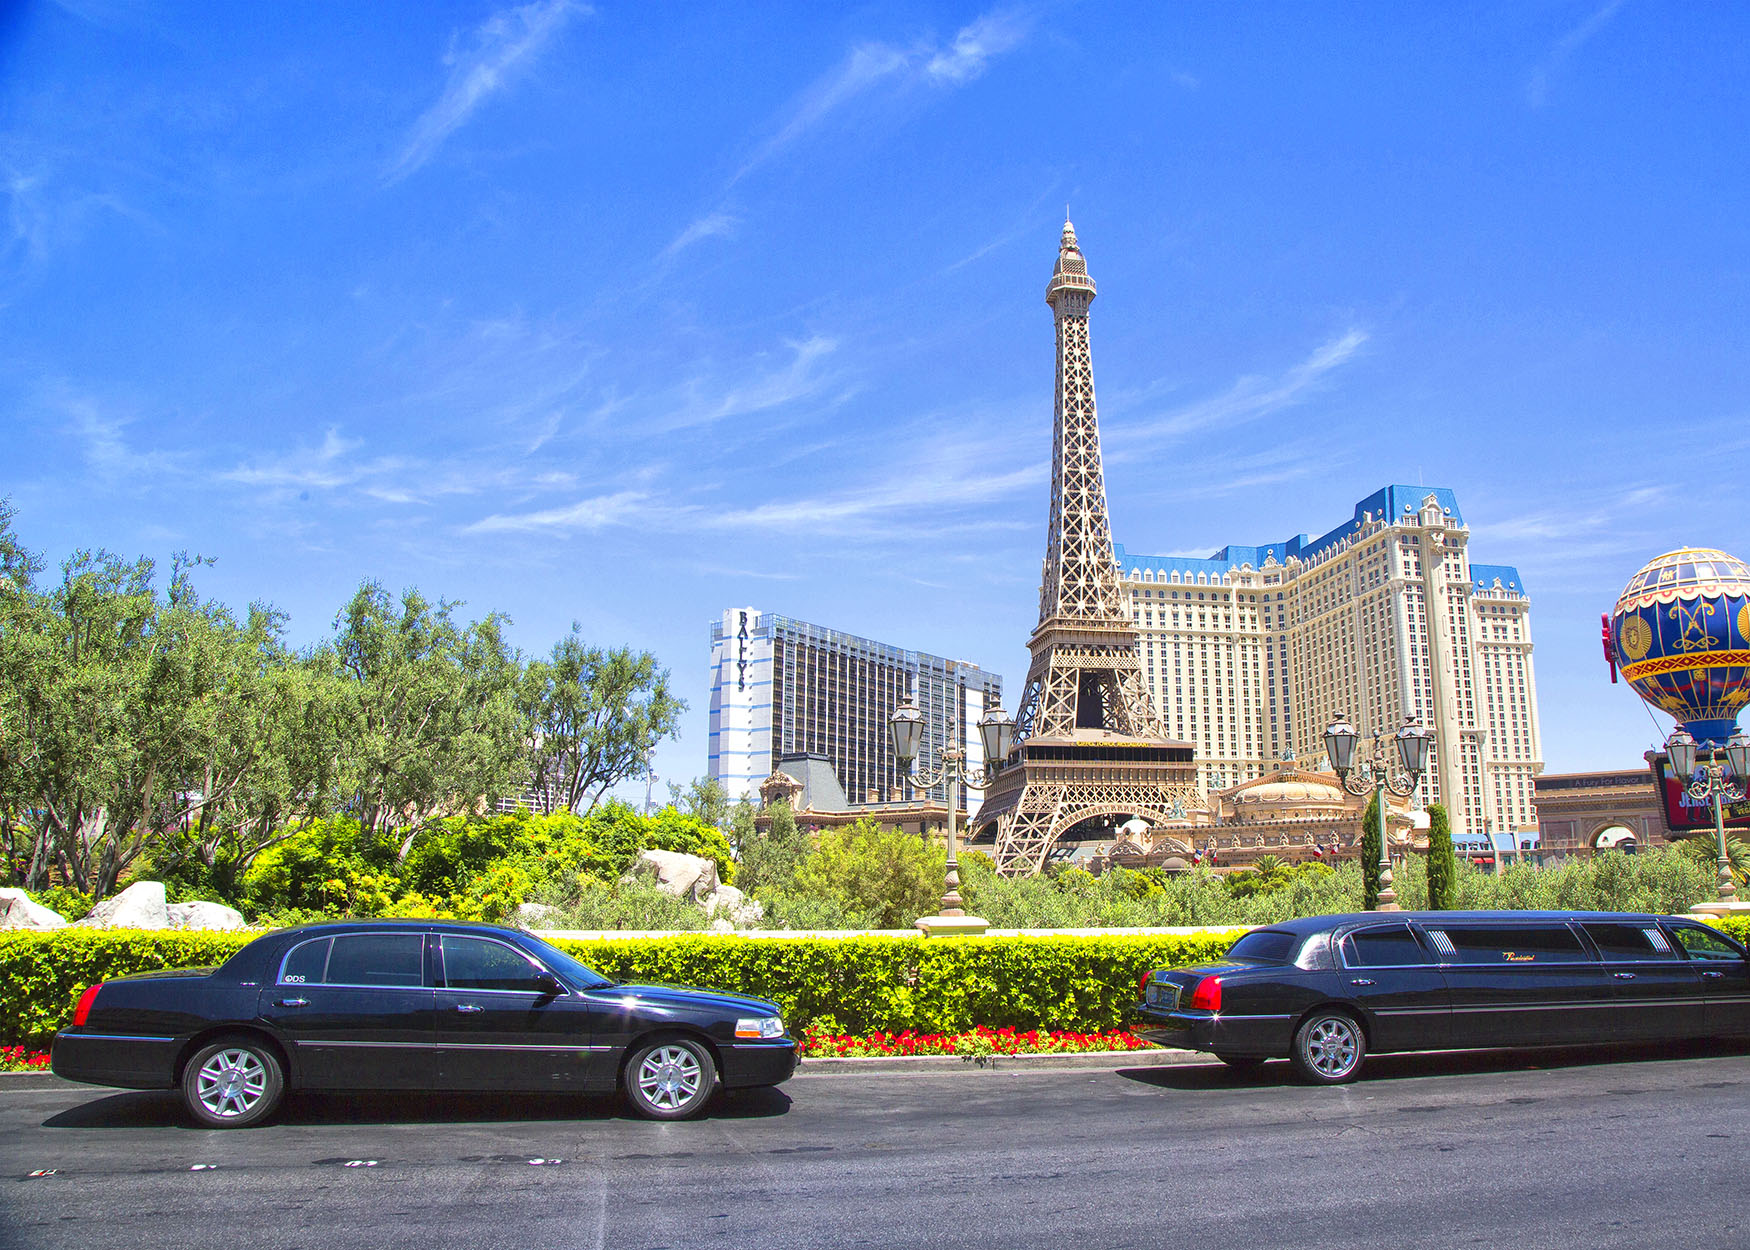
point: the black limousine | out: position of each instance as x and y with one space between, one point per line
414 1005
1326 990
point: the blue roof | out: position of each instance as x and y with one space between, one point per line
1389 501
1484 576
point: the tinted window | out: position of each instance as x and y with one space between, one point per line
474 964
1514 944
305 963
1629 941
1704 943
1391 946
377 959
1266 946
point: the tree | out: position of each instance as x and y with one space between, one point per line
594 718
704 799
770 860
429 719
1370 847
889 876
1704 849
1442 862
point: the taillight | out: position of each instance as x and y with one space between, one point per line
1206 995
83 1008
1142 986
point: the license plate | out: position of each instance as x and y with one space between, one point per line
1163 994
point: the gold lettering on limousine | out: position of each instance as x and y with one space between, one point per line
1515 958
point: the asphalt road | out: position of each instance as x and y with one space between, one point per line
1624 1148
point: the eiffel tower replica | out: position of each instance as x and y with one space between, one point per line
1088 745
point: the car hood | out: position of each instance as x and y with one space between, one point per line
676 996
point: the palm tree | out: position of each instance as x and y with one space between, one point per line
1704 849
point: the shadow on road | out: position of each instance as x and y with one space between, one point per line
1433 1064
163 1109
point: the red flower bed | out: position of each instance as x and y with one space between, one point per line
18 1059
981 1041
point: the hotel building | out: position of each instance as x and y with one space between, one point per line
1251 652
783 687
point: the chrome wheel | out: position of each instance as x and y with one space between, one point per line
1329 1048
231 1083
670 1077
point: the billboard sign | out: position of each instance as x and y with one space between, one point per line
1687 814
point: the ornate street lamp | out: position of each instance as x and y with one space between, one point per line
996 734
1377 774
1723 778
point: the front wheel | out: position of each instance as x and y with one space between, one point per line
1329 1048
671 1079
233 1082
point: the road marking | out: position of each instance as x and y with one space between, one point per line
541 1163
42 1172
204 1167
360 1163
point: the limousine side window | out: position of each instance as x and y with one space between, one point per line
477 964
1704 943
1388 946
1629 941
307 963
377 959
1512 944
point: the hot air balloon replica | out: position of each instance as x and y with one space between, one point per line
1680 634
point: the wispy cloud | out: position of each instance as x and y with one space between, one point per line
871 65
109 455
710 226
584 516
508 41
768 388
1248 399
1537 88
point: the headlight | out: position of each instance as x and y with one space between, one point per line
760 1026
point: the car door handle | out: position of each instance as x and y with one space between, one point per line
468 1007
1360 981
294 1002
1712 976
1623 976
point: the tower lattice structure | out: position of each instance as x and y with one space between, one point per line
1088 743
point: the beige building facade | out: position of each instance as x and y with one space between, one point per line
1250 653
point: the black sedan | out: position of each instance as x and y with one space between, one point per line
1327 990
416 1005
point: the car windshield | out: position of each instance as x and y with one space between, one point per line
580 974
1265 946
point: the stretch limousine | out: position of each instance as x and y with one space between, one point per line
1326 990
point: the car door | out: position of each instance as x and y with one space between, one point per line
1656 991
1387 971
357 1011
1725 976
501 1026
1521 983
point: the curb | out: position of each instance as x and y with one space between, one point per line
1108 1060
11 1082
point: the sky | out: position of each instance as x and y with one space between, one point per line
627 314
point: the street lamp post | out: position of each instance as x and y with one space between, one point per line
996 733
1724 778
1375 774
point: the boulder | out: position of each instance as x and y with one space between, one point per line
684 876
140 906
720 925
530 915
19 911
201 915
728 903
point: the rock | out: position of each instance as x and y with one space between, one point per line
19 911
202 915
728 903
683 876
140 906
720 925
530 914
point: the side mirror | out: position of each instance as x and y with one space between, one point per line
549 984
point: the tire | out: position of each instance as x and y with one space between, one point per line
670 1079
1242 1063
233 1082
1329 1047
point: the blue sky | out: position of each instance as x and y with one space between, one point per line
628 314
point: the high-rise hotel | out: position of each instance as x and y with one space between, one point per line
785 687
1251 652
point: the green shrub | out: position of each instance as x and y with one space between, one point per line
888 877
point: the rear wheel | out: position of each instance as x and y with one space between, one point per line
233 1082
1329 1048
671 1079
1242 1063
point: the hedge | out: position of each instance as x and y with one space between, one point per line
838 985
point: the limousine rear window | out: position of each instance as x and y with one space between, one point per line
1513 944
1265 946
1390 946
